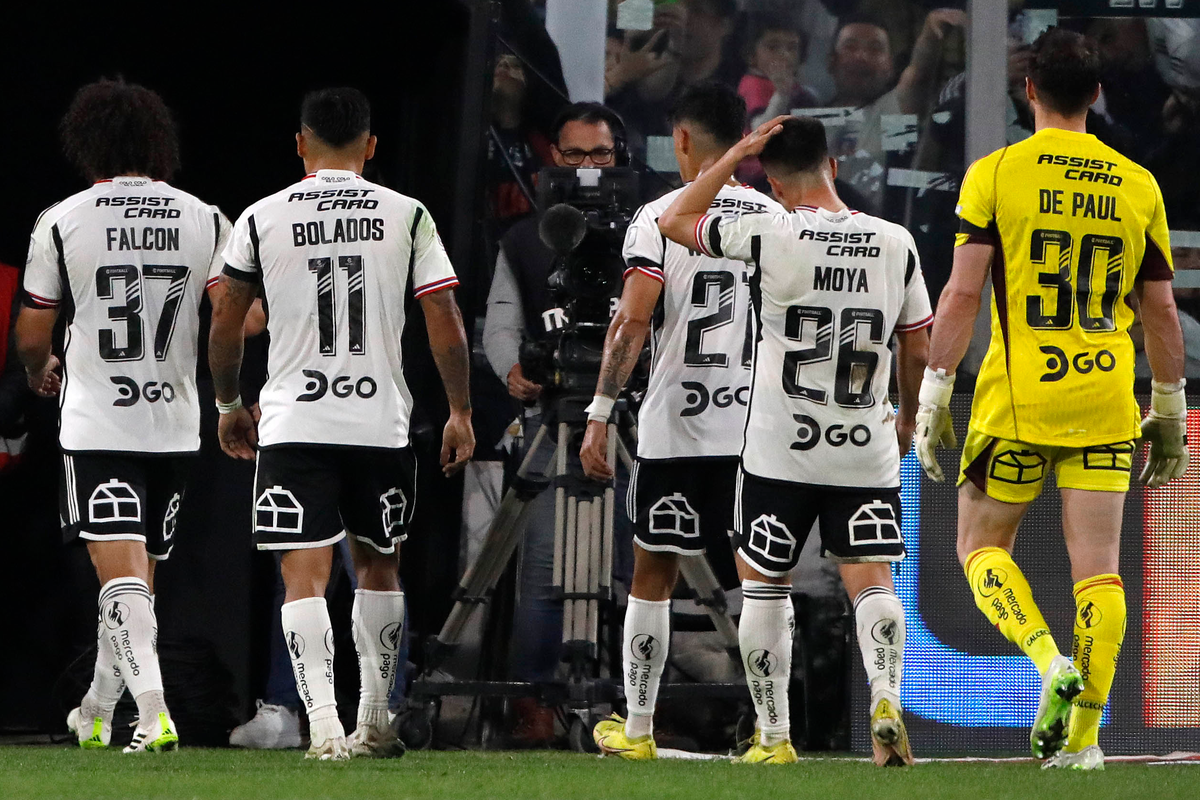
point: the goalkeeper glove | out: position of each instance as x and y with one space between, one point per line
1165 428
934 426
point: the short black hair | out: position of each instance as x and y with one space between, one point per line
800 147
590 114
1065 70
721 8
336 116
716 108
860 18
118 128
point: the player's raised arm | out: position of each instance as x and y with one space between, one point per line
448 341
622 344
680 221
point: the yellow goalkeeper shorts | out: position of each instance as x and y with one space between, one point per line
1013 472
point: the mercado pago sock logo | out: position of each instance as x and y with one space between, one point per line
295 644
762 663
885 631
992 580
643 646
1089 615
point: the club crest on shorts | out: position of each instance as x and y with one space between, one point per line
389 637
762 663
170 518
392 505
991 581
643 646
115 614
772 540
674 515
874 523
278 511
295 643
115 501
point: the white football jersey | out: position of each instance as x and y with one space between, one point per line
127 261
700 343
336 255
829 291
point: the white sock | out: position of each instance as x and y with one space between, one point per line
765 637
107 685
879 618
309 637
647 637
131 633
377 618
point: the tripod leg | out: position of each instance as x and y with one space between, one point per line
610 496
560 507
699 575
595 562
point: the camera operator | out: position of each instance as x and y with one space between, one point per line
520 308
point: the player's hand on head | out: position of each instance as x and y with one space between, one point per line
594 453
458 443
753 142
521 387
238 434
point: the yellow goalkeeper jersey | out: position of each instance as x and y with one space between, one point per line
1075 224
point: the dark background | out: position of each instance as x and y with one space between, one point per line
234 79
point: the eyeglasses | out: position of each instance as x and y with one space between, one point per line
600 155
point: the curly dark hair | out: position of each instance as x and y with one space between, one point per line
118 128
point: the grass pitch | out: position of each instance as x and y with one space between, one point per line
54 772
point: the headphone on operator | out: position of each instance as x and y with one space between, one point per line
592 113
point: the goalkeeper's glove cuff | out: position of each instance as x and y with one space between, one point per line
936 388
1168 399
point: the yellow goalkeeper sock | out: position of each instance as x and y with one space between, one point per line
1099 631
1004 596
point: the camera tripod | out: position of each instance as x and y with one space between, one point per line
582 578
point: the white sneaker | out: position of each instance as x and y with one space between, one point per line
1060 685
158 737
272 728
1090 757
327 740
92 734
371 741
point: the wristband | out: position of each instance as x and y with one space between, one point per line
229 408
936 388
600 409
1168 399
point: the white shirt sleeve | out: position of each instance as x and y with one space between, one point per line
737 237
241 249
431 267
916 311
645 247
222 235
43 281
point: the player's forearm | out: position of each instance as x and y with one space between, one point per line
35 331
953 327
1163 336
912 353
233 299
621 348
451 353
678 222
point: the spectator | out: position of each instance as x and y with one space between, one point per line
863 73
516 150
643 83
585 135
776 48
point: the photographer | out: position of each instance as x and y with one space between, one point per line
519 308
